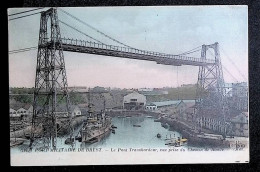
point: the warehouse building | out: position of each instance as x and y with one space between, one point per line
134 101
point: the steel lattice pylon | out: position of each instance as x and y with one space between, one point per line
50 82
211 86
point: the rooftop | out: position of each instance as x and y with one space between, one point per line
17 106
172 102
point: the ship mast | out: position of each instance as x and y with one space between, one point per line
104 103
90 105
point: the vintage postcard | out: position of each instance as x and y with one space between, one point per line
128 85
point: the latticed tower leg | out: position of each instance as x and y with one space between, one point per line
50 82
211 87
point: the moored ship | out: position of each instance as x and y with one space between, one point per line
95 128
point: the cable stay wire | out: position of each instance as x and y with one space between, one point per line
233 64
225 69
22 50
26 11
72 16
65 12
81 32
24 16
189 51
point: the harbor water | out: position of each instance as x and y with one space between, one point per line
126 135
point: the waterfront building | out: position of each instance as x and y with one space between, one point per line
238 103
76 111
61 111
162 105
189 111
210 120
134 101
14 116
189 114
240 125
29 109
20 111
181 104
151 106
239 97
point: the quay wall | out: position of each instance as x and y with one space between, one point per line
188 132
20 133
115 113
27 130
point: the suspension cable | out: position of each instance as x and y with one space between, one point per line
22 50
80 31
234 65
94 28
235 79
190 50
25 11
24 16
229 73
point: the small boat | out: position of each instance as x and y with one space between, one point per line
128 116
16 143
184 140
79 138
93 140
113 131
177 142
148 116
136 125
166 125
113 126
157 120
158 135
69 141
171 144
120 116
28 136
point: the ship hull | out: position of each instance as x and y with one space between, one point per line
96 134
95 130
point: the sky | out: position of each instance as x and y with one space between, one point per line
168 29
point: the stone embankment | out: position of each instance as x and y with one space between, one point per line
195 138
116 113
25 132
